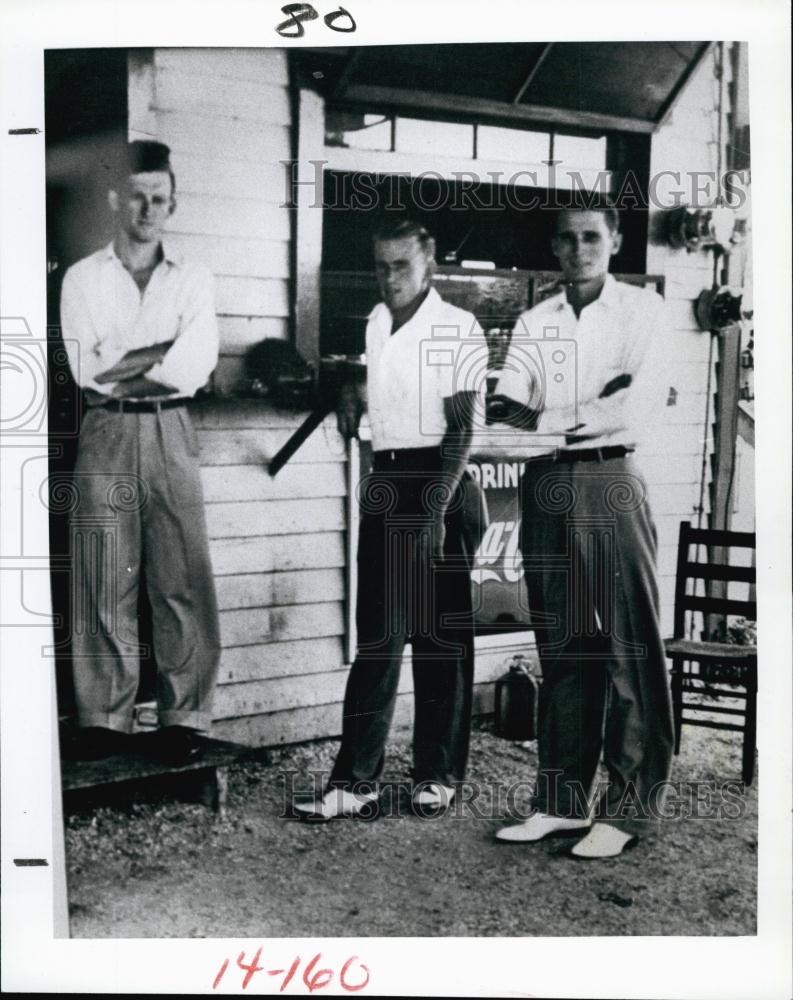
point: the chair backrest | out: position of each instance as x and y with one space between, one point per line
714 567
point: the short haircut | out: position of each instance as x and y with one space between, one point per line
144 156
400 227
594 202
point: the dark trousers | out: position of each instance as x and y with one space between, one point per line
589 547
403 596
140 513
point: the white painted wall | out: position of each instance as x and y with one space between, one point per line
687 142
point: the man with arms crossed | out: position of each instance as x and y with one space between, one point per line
140 330
589 546
413 573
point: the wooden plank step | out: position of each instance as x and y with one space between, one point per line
132 766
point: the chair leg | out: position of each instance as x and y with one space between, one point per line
677 702
750 727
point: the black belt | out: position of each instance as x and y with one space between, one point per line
411 458
585 454
141 405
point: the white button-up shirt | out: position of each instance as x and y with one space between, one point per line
440 351
559 365
104 315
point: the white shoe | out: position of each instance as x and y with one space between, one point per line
431 799
603 841
540 825
338 803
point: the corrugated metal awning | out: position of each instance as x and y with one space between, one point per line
626 86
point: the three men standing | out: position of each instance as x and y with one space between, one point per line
141 335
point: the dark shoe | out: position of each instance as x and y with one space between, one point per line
177 745
95 743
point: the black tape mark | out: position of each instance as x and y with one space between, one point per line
24 131
31 862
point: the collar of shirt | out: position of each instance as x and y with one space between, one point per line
609 297
381 315
169 256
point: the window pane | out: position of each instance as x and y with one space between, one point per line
576 152
416 135
515 145
357 131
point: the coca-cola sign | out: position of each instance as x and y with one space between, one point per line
497 577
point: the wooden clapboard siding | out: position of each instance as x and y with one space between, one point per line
275 517
250 482
283 710
256 447
685 143
214 215
247 100
263 590
201 134
239 333
281 659
230 142
234 256
316 721
263 66
296 725
251 626
221 175
662 470
320 550
246 414
237 296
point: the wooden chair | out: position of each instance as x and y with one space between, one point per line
695 662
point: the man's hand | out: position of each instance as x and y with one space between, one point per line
503 410
349 410
141 386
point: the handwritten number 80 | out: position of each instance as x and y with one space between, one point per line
292 27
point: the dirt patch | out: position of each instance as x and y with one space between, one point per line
176 870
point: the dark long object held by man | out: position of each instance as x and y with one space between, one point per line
334 373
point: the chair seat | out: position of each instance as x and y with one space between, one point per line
720 651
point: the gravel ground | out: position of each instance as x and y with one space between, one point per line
176 870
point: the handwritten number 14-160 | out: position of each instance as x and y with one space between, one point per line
338 20
354 975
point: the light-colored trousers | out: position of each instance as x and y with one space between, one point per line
139 515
